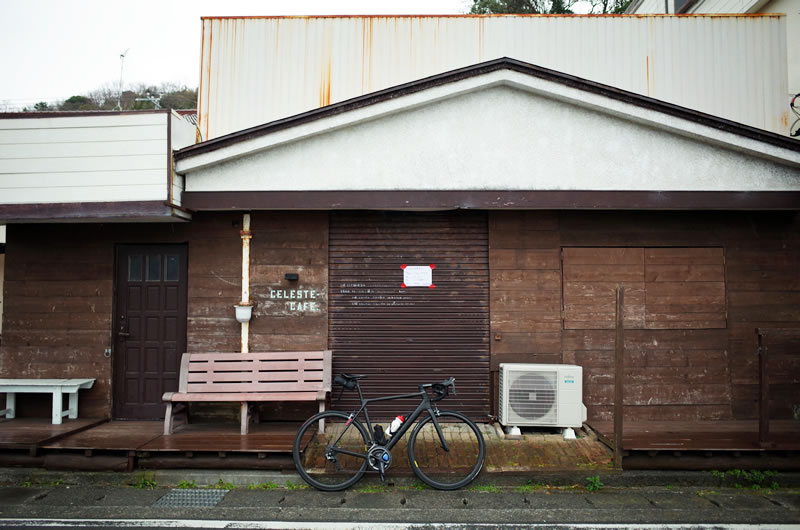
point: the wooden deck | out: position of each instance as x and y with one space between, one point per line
145 436
34 432
737 436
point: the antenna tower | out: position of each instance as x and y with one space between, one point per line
119 92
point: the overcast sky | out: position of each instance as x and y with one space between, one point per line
53 49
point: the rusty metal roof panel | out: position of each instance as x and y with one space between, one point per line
257 70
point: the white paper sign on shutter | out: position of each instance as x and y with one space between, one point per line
418 276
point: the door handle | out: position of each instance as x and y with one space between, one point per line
123 334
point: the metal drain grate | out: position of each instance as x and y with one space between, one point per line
191 498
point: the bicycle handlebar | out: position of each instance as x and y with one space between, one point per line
440 388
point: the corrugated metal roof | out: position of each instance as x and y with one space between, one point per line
480 69
256 70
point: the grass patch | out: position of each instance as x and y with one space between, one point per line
186 485
417 485
371 489
221 485
489 488
145 481
742 478
530 487
291 486
263 486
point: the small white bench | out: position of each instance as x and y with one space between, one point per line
57 387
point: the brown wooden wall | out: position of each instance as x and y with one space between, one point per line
59 292
59 286
59 282
703 365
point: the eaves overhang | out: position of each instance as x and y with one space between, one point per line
478 70
501 134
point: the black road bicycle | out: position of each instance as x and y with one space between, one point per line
446 449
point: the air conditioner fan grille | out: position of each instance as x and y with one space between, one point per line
532 396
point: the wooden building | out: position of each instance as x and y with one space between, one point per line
532 195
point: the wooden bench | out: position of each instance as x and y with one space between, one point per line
57 387
249 378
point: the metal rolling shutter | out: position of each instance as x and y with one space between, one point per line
401 337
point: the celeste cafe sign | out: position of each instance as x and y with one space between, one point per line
298 300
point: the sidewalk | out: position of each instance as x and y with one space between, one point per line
273 499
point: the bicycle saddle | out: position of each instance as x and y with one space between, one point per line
348 380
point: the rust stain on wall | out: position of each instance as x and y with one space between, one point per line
325 85
366 55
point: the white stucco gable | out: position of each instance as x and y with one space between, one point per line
503 129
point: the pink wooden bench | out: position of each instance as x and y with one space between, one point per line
249 378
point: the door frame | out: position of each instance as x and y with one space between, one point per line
182 249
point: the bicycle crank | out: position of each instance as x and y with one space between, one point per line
379 458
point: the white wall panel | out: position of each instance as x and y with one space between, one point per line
256 70
449 144
82 164
66 194
82 134
791 8
83 149
87 158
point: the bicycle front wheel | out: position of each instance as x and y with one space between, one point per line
335 460
447 470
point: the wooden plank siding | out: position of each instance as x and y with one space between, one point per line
58 298
697 284
59 293
665 288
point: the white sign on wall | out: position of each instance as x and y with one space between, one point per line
418 276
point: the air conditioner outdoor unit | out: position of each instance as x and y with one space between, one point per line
549 395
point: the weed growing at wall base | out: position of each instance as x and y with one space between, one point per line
145 481
594 483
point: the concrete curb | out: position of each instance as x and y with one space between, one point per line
243 478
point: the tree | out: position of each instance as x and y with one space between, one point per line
78 103
138 97
609 7
550 7
42 106
183 98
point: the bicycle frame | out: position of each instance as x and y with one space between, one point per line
426 405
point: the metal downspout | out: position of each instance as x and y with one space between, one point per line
246 237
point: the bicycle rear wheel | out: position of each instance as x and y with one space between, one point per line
335 460
447 470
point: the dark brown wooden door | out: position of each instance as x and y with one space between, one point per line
401 336
149 327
